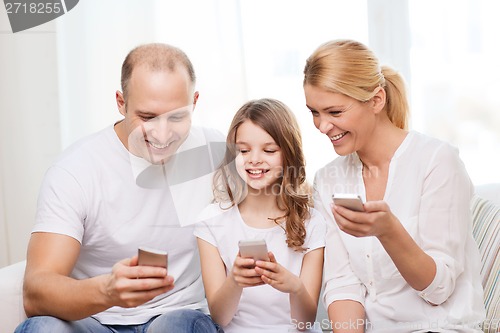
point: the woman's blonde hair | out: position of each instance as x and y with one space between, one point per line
350 68
293 195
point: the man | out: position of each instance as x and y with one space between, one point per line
115 191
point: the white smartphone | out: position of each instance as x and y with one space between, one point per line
152 257
255 249
349 201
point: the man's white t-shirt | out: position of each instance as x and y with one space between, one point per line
109 201
261 308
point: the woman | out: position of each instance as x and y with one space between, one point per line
408 262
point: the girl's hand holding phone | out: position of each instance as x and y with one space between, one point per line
277 276
244 273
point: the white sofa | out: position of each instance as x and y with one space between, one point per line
486 230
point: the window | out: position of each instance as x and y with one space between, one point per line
277 37
454 79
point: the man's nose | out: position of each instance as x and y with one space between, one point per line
160 130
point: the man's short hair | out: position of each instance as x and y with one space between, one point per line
157 57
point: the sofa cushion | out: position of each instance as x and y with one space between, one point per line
486 230
11 289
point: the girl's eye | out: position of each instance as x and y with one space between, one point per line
270 151
243 151
146 118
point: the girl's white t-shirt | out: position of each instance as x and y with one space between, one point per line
261 308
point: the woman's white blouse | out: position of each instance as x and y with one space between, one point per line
429 191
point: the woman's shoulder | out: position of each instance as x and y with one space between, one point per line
420 140
431 148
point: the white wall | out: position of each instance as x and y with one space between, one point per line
29 129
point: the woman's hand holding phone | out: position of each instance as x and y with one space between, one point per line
376 219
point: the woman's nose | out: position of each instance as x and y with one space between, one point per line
325 125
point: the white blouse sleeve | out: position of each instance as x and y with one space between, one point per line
445 221
340 282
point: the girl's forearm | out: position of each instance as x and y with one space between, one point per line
303 307
224 303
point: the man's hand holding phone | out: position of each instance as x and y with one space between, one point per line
131 284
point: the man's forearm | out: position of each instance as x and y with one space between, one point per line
63 297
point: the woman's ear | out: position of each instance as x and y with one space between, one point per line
378 100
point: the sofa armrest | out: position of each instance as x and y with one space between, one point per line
11 296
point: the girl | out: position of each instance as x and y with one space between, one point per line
261 193
408 262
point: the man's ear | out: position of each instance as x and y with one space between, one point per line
378 100
195 98
120 102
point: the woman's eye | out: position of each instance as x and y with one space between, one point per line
314 113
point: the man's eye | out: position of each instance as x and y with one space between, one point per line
176 119
314 113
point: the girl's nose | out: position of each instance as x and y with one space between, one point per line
255 157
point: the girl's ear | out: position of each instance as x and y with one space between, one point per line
378 100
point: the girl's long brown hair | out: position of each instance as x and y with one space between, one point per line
294 195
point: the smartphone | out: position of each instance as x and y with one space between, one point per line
349 201
256 249
152 257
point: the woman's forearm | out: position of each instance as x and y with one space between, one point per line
415 266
